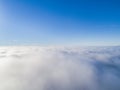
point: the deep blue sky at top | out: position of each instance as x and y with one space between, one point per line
60 22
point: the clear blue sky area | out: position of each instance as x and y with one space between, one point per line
60 22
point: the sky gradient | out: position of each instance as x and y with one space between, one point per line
60 22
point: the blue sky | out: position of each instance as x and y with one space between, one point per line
60 22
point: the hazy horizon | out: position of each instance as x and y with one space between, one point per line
59 44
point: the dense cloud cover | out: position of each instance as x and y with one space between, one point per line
53 68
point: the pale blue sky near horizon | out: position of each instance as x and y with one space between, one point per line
60 22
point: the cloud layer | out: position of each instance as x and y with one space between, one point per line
51 68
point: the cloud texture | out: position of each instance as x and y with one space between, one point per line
51 68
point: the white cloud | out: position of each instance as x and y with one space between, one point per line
50 68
